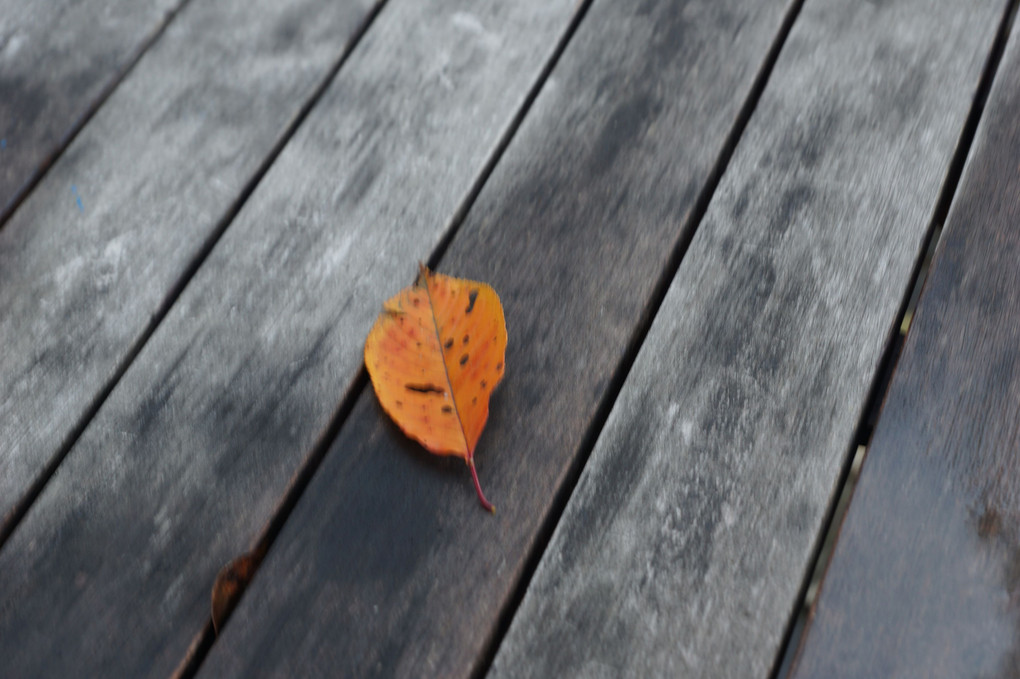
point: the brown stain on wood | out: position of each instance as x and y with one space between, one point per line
925 578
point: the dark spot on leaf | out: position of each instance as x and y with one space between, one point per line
499 366
472 296
484 384
424 388
414 301
466 338
474 400
449 343
464 359
400 404
447 409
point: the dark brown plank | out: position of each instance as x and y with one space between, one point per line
683 549
388 566
188 457
925 577
57 59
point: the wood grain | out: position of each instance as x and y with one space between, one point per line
684 546
93 254
388 566
57 59
925 577
186 460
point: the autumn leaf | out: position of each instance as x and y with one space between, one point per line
434 355
230 585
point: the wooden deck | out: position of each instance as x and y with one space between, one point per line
705 220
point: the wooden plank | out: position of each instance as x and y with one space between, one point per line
924 578
57 59
186 460
683 548
96 250
388 566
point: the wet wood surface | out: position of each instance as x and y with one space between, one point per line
57 61
925 578
185 293
97 251
193 450
573 229
683 550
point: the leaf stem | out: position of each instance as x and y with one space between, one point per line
478 487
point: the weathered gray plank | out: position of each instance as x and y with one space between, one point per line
57 59
388 566
924 578
683 548
185 462
93 253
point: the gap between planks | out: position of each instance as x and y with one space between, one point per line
637 339
18 512
800 618
204 640
47 162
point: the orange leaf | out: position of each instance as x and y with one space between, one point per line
435 354
230 584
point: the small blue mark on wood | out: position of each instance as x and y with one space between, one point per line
3 143
77 198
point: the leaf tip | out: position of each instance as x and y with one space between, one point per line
423 274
